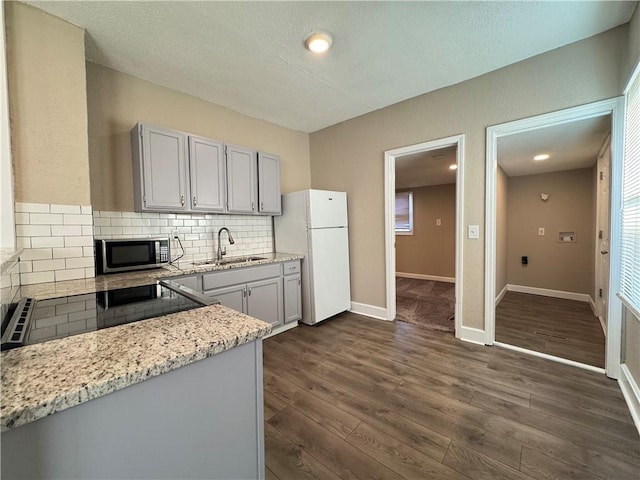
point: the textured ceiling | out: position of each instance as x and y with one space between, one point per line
571 146
426 168
249 56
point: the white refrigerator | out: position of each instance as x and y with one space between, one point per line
314 224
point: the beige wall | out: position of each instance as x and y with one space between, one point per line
632 50
558 266
502 199
431 250
48 107
349 156
117 101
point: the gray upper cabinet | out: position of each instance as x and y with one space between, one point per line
242 181
269 184
207 173
160 169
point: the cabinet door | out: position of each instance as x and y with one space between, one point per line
206 168
241 180
264 301
190 281
232 297
292 298
164 167
269 184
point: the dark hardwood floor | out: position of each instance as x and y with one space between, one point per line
357 398
555 326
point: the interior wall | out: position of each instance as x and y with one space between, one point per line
502 202
564 266
48 107
350 156
631 56
116 102
7 227
431 250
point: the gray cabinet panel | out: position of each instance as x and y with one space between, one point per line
292 298
189 281
231 297
241 179
242 275
269 184
264 301
162 154
207 173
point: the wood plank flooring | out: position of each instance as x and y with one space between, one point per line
555 326
357 398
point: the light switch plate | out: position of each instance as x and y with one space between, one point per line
541 231
474 231
438 222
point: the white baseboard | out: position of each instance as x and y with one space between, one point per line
501 295
592 304
604 327
420 276
546 292
472 335
631 393
369 310
281 329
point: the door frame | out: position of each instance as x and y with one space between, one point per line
389 214
615 108
606 145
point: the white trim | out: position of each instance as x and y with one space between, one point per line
631 393
603 325
420 276
613 107
369 310
553 358
547 292
471 335
281 329
501 295
389 224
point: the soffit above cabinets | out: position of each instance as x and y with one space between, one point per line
250 56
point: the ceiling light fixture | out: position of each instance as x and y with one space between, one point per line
453 167
542 156
318 42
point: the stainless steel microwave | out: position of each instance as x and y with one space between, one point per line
126 254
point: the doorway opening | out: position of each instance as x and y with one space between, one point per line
423 244
544 265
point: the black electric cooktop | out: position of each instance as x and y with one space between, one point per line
34 321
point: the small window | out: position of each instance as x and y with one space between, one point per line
404 213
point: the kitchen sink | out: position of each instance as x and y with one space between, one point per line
231 260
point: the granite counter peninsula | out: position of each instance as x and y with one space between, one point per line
178 396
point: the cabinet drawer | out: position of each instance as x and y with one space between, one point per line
239 275
289 268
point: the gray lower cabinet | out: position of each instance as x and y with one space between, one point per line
292 298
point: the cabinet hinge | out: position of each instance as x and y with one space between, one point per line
600 235
601 176
600 293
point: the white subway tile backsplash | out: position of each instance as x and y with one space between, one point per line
66 209
45 218
32 207
101 222
36 254
131 215
44 242
81 262
109 214
73 274
67 252
66 230
26 267
86 209
70 219
21 218
39 277
121 222
33 230
87 230
23 242
78 241
46 265
87 251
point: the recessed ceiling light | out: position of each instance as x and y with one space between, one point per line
318 42
542 156
453 167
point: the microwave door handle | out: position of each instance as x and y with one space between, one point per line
157 245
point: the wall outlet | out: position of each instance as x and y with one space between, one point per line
541 231
473 231
175 234
438 222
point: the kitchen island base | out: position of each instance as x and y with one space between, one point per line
204 420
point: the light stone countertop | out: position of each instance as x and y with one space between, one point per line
45 378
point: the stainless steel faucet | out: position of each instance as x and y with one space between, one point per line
223 251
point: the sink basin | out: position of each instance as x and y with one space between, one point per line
231 260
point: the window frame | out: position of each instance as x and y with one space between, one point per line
402 231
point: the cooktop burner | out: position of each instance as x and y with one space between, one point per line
36 321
